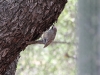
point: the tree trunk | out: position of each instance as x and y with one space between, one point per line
12 67
89 37
21 21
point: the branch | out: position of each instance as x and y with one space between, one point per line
54 42
62 42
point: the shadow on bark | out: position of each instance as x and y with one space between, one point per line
21 21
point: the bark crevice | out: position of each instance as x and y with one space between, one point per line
21 21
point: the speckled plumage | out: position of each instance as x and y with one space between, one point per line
49 36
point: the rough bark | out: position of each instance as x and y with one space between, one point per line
21 21
11 69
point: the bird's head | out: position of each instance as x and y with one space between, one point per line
54 27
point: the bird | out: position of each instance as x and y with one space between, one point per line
49 36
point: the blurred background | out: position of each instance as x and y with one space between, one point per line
59 58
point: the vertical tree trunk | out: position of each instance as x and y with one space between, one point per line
21 21
12 67
89 37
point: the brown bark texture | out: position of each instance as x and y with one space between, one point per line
21 21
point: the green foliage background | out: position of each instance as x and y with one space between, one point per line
57 58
